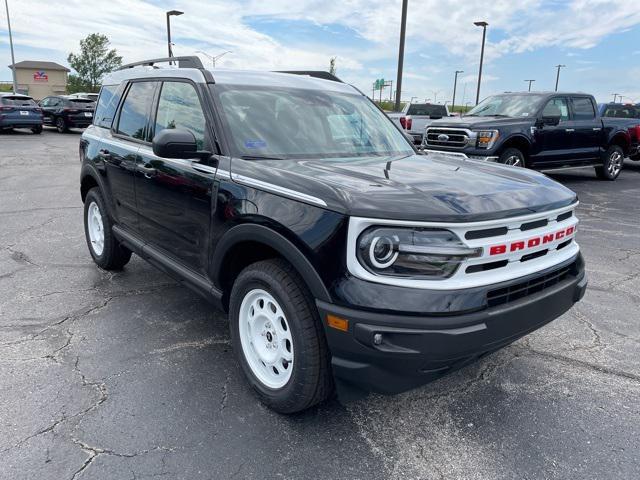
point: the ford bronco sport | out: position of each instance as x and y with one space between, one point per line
344 258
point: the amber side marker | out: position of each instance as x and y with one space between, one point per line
338 323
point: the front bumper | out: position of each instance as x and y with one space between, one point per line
392 353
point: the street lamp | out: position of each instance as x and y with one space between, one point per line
484 35
403 29
171 13
558 75
435 95
13 60
530 82
615 95
455 84
212 58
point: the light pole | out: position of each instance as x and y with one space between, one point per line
403 29
615 95
212 58
435 95
558 75
13 60
455 84
171 13
530 82
484 35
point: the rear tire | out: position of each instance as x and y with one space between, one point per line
107 253
612 162
61 125
37 130
512 157
274 318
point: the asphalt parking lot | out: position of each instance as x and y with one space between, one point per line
129 376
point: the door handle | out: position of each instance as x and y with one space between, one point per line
104 154
569 129
147 171
596 129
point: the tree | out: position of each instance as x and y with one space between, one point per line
93 62
332 66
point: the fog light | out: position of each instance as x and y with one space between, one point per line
377 339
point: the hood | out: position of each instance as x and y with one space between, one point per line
430 187
481 122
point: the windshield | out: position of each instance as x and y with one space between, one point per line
18 101
293 123
507 106
427 110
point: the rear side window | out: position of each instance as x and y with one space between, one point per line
18 101
179 107
583 109
135 110
107 104
427 110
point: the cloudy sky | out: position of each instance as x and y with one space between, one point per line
598 40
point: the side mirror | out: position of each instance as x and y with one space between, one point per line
177 143
550 120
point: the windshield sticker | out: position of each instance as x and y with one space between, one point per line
255 144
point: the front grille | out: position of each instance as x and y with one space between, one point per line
446 137
514 292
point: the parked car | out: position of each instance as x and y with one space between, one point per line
415 117
91 96
619 110
19 111
65 112
540 131
344 258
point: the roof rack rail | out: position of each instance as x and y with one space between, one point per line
183 62
313 73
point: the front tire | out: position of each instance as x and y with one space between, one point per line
512 157
61 125
105 250
612 162
278 338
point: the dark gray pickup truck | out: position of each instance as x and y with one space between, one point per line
540 131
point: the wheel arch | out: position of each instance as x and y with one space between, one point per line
89 179
516 141
622 140
245 244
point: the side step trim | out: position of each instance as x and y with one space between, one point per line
199 283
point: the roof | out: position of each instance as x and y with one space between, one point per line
40 64
231 77
9 94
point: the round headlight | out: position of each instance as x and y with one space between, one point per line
383 251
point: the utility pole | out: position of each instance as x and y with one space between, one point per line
484 35
558 75
455 84
13 59
530 82
403 30
171 13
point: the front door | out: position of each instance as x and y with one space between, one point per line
174 196
554 141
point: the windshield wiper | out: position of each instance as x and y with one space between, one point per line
260 157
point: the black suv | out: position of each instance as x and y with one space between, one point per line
66 111
343 257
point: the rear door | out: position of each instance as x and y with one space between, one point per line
174 196
120 148
588 134
48 109
554 141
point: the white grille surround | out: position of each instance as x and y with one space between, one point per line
535 257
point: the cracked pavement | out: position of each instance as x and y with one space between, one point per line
127 375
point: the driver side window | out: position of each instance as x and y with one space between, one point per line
557 106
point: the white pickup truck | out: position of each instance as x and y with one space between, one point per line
416 117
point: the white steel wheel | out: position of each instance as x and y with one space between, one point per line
265 336
95 228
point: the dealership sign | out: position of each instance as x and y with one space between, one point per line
40 76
